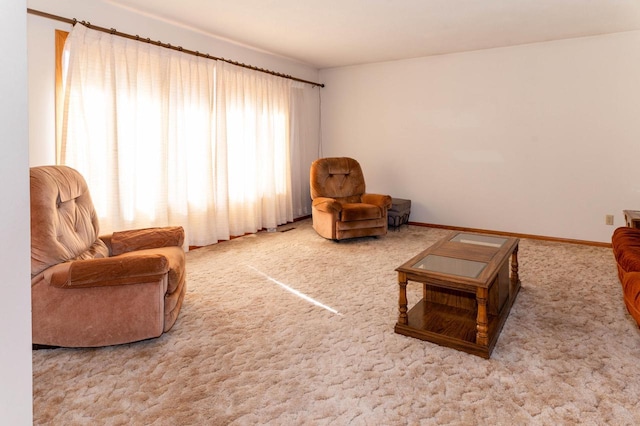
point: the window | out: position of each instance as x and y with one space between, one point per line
166 138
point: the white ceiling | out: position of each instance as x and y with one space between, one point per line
332 33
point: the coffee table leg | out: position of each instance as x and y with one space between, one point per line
514 266
482 322
402 299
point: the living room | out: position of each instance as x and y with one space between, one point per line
534 139
527 131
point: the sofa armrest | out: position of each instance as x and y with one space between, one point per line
110 271
377 199
328 205
141 239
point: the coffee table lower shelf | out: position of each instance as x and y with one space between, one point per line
453 327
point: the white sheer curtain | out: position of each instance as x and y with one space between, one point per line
254 124
166 138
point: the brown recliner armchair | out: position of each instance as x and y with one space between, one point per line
340 206
89 291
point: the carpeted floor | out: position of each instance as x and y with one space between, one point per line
288 328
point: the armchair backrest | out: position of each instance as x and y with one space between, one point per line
337 177
64 223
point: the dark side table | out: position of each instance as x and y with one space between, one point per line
632 218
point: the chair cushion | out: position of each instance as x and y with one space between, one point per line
337 177
64 223
360 211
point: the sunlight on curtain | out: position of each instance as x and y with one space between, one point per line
257 137
166 138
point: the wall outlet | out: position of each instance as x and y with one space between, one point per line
608 219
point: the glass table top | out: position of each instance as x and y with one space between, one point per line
449 265
480 240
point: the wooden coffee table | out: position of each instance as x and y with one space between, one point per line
470 282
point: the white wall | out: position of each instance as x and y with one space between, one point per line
539 139
102 13
15 315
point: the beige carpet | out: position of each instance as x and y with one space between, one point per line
246 350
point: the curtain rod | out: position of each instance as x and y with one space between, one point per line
166 45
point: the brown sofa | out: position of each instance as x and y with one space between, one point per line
89 291
340 206
626 250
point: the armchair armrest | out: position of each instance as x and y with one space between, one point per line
148 238
377 199
110 271
328 205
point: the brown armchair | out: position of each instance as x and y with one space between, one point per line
89 291
340 206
